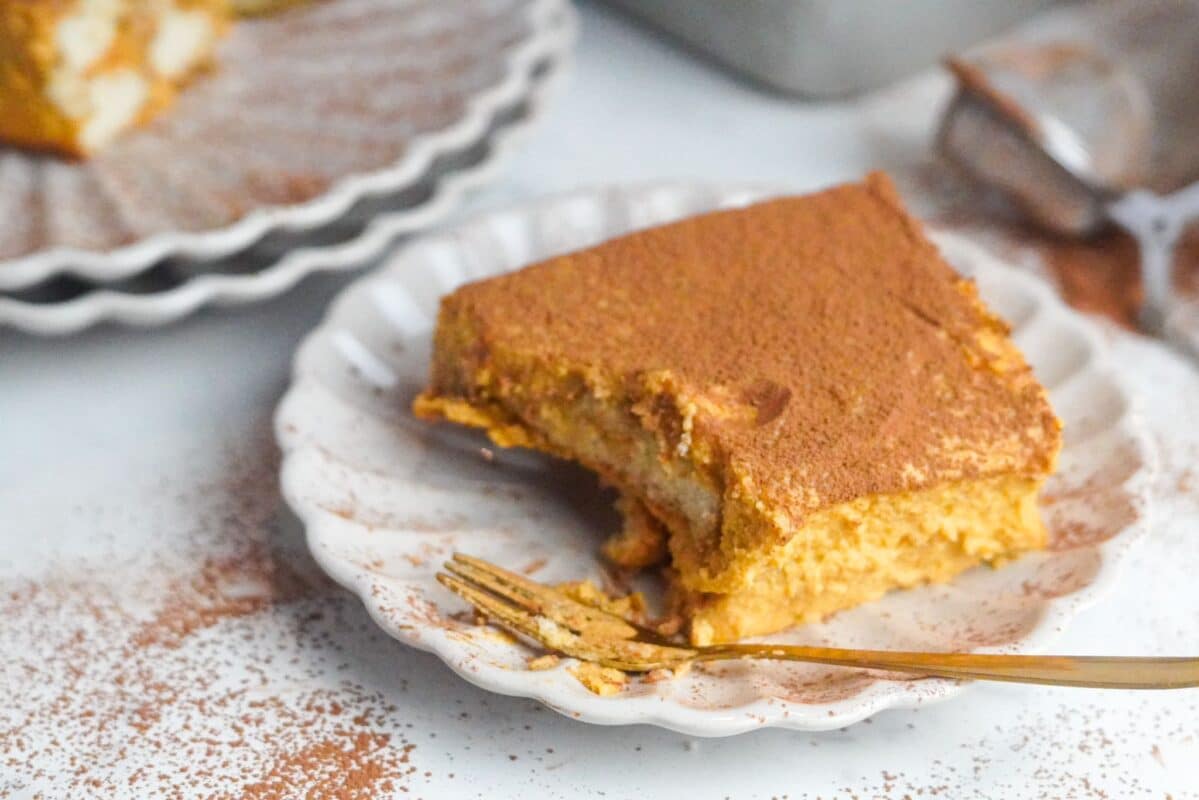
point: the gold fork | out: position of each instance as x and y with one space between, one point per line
588 633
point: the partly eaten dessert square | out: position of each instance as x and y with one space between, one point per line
802 405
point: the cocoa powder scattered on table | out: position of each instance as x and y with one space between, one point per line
186 669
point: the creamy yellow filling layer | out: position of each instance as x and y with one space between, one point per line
855 552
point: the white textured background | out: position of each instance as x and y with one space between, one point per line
164 632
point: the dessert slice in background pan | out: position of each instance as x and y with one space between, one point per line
74 75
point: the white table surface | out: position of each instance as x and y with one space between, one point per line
133 462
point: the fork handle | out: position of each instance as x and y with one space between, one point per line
1102 672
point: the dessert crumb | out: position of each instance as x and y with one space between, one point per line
547 661
665 673
631 607
604 681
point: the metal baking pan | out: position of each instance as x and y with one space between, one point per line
829 48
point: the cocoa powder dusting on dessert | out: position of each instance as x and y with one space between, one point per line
836 294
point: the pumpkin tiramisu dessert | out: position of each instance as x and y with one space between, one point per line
802 404
74 74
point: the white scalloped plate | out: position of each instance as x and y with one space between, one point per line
385 498
309 111
177 290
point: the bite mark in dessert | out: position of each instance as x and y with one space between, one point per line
800 402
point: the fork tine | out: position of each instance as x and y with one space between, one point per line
610 652
539 599
528 593
498 610
501 611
